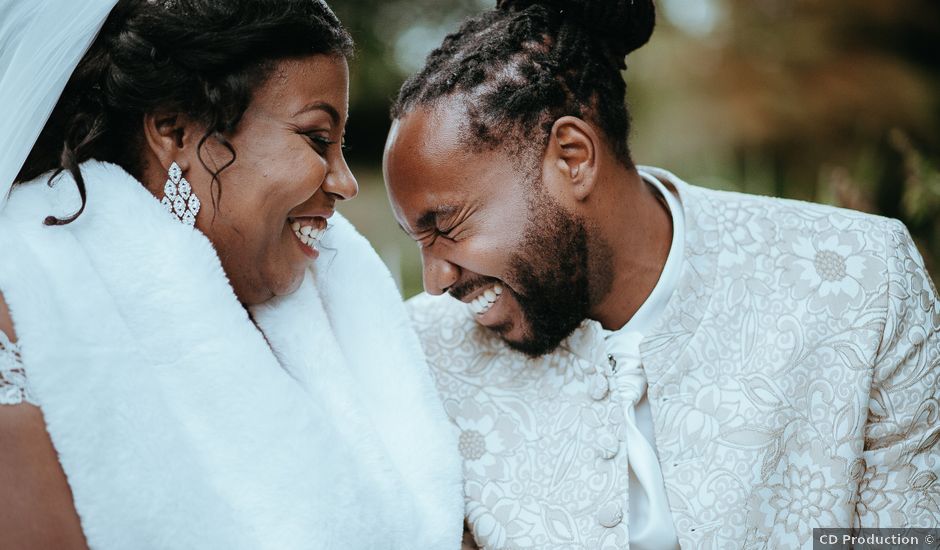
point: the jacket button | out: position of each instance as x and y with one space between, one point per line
600 387
610 515
607 446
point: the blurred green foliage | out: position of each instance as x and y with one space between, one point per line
834 102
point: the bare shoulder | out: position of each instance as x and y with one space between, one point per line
36 509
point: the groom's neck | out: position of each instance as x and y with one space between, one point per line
635 224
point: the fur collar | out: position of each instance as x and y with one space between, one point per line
176 424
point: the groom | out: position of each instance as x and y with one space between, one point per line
633 360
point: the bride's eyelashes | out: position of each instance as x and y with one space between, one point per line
319 142
322 143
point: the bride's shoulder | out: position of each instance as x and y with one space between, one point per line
38 511
34 486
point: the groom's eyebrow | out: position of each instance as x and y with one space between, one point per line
428 220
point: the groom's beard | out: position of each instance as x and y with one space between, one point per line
552 278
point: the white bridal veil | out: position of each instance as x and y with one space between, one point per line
41 43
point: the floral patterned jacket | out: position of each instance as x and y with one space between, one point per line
793 382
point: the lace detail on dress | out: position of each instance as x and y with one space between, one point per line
13 386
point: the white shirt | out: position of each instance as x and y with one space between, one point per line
650 526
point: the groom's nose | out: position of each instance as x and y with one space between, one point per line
438 273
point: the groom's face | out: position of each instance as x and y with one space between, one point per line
490 235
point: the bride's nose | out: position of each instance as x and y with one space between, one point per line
341 183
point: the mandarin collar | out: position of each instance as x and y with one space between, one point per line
661 347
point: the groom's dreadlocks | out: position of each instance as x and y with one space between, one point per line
525 64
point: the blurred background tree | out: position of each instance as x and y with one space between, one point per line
833 102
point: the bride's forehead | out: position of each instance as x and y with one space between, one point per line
294 83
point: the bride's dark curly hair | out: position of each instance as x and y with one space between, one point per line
202 58
527 63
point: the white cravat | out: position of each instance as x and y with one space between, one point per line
651 525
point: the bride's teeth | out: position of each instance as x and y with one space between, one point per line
490 295
308 234
497 289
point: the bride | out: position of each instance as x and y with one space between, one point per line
196 351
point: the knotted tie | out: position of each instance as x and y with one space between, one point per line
651 525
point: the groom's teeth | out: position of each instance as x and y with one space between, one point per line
482 303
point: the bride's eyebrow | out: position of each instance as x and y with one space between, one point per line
320 106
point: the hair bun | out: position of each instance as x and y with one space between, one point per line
624 25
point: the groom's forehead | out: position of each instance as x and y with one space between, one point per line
426 133
431 170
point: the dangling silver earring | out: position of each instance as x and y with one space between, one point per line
178 197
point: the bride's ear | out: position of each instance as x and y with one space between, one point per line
169 138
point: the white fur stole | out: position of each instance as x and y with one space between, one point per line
176 424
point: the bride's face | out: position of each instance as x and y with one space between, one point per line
287 176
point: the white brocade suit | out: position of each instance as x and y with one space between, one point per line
793 384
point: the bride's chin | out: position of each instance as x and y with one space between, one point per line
290 284
263 286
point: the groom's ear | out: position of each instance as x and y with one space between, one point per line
572 155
